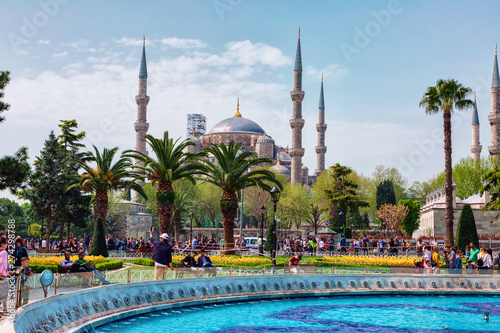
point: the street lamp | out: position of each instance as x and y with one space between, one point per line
261 247
191 219
275 196
342 221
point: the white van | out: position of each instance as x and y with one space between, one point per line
253 242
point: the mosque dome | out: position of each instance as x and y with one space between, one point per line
237 124
265 139
196 141
281 170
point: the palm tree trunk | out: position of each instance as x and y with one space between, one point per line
165 208
101 206
229 205
69 231
448 176
177 227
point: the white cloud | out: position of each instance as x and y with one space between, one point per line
332 71
182 43
248 53
60 54
130 41
43 42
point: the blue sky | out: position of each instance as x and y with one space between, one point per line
80 60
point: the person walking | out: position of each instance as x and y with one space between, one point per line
162 255
86 243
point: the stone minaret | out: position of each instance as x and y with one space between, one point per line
494 117
476 147
297 123
142 100
321 128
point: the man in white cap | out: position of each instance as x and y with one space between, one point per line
162 255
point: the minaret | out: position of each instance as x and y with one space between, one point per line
297 123
321 128
476 147
494 117
142 100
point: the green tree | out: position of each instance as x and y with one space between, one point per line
4 80
446 96
412 221
10 210
466 228
14 171
46 186
342 196
172 163
233 170
34 230
268 245
492 185
98 246
103 176
294 206
385 193
316 218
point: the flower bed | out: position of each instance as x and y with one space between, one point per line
39 264
219 261
370 261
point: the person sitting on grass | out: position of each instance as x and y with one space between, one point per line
86 265
293 264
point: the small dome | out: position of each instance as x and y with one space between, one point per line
281 170
265 139
196 141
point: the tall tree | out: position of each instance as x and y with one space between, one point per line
385 193
100 176
316 218
172 163
233 170
446 96
412 221
46 186
75 207
342 196
466 228
294 206
392 215
4 80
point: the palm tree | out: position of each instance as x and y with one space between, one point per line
445 96
233 170
171 164
182 204
103 177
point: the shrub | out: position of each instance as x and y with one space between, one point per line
38 268
109 265
98 247
144 261
466 229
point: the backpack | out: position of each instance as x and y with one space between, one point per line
480 262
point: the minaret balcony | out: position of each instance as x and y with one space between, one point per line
296 152
320 149
494 119
140 99
494 150
297 123
297 95
141 127
321 127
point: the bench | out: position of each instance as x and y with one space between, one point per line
48 251
305 268
181 271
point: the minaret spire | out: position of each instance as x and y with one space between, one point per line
297 123
142 100
321 128
494 117
476 147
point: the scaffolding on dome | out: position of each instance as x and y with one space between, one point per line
196 125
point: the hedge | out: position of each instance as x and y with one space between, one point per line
106 264
144 261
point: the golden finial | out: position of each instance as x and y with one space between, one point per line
143 40
237 113
495 49
299 32
278 158
321 77
474 94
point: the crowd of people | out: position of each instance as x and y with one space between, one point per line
473 260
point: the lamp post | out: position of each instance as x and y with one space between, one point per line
275 196
341 214
261 247
191 222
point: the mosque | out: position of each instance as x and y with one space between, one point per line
285 161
